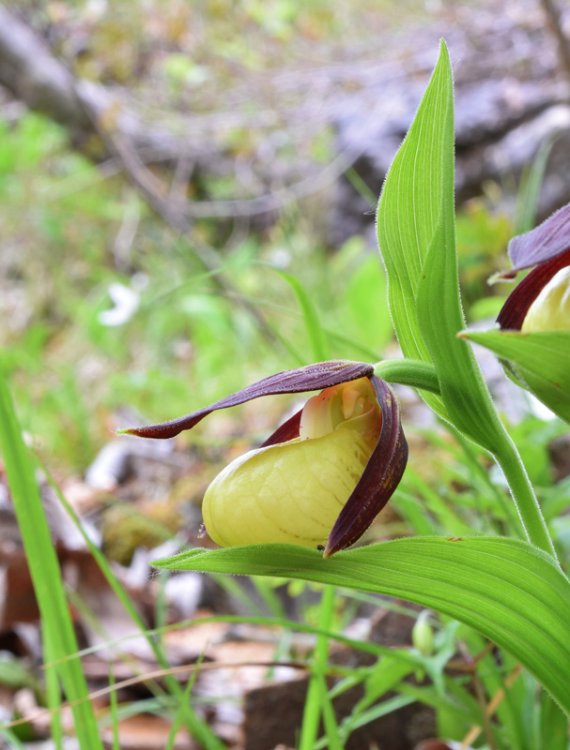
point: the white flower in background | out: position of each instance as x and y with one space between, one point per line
125 301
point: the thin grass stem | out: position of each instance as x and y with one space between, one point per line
312 711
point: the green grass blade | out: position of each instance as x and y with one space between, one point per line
348 725
553 725
386 676
53 693
332 732
45 571
315 331
529 191
507 589
179 717
439 506
114 711
11 740
313 702
193 722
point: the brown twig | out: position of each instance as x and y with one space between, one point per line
200 667
554 23
491 707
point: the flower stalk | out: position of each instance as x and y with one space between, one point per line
423 376
524 496
412 372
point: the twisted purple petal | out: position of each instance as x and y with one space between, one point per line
518 302
379 479
548 240
309 378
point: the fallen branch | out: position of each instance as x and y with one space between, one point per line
32 74
554 22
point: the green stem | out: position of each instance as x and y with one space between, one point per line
423 375
412 372
524 496
312 711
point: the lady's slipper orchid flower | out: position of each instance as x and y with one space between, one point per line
534 343
541 301
322 476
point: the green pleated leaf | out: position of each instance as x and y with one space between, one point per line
416 233
539 362
315 331
507 589
463 390
409 212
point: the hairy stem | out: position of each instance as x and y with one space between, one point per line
524 495
422 375
412 372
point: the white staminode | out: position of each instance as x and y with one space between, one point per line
550 311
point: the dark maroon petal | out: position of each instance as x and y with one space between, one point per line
287 431
310 378
517 304
379 479
546 241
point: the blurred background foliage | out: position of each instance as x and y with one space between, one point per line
104 307
73 363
